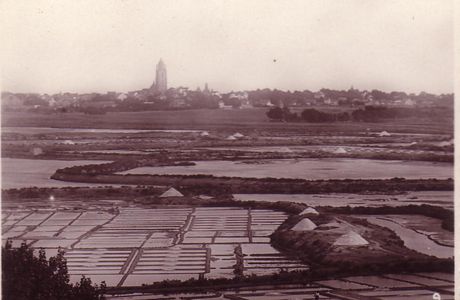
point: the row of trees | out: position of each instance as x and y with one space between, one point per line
366 114
307 115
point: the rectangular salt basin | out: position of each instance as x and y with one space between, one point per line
398 293
39 235
85 222
380 282
158 243
54 243
260 272
114 244
258 249
51 222
80 228
190 234
65 215
15 216
30 222
39 215
9 223
419 280
261 233
91 215
12 234
233 234
18 228
112 260
197 240
221 249
220 273
159 270
98 271
42 228
441 276
342 285
263 240
226 263
231 240
164 234
71 234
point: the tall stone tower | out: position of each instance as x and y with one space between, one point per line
161 82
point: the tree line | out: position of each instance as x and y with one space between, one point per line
367 114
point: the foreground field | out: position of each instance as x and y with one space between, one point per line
207 119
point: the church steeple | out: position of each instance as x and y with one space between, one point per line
161 82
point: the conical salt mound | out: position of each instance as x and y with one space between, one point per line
285 149
172 192
384 133
238 135
340 150
351 239
231 138
304 225
309 210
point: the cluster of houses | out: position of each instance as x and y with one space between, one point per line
185 98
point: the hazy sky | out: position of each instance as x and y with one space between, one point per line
86 46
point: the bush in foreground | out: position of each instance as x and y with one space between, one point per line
29 277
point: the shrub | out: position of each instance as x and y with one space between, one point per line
29 277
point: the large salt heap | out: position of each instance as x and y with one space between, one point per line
304 225
340 150
309 210
172 192
384 133
351 239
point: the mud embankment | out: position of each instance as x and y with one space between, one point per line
230 185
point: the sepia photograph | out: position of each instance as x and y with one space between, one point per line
211 149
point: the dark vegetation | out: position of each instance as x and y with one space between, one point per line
26 276
366 114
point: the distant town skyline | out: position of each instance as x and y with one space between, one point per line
89 46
